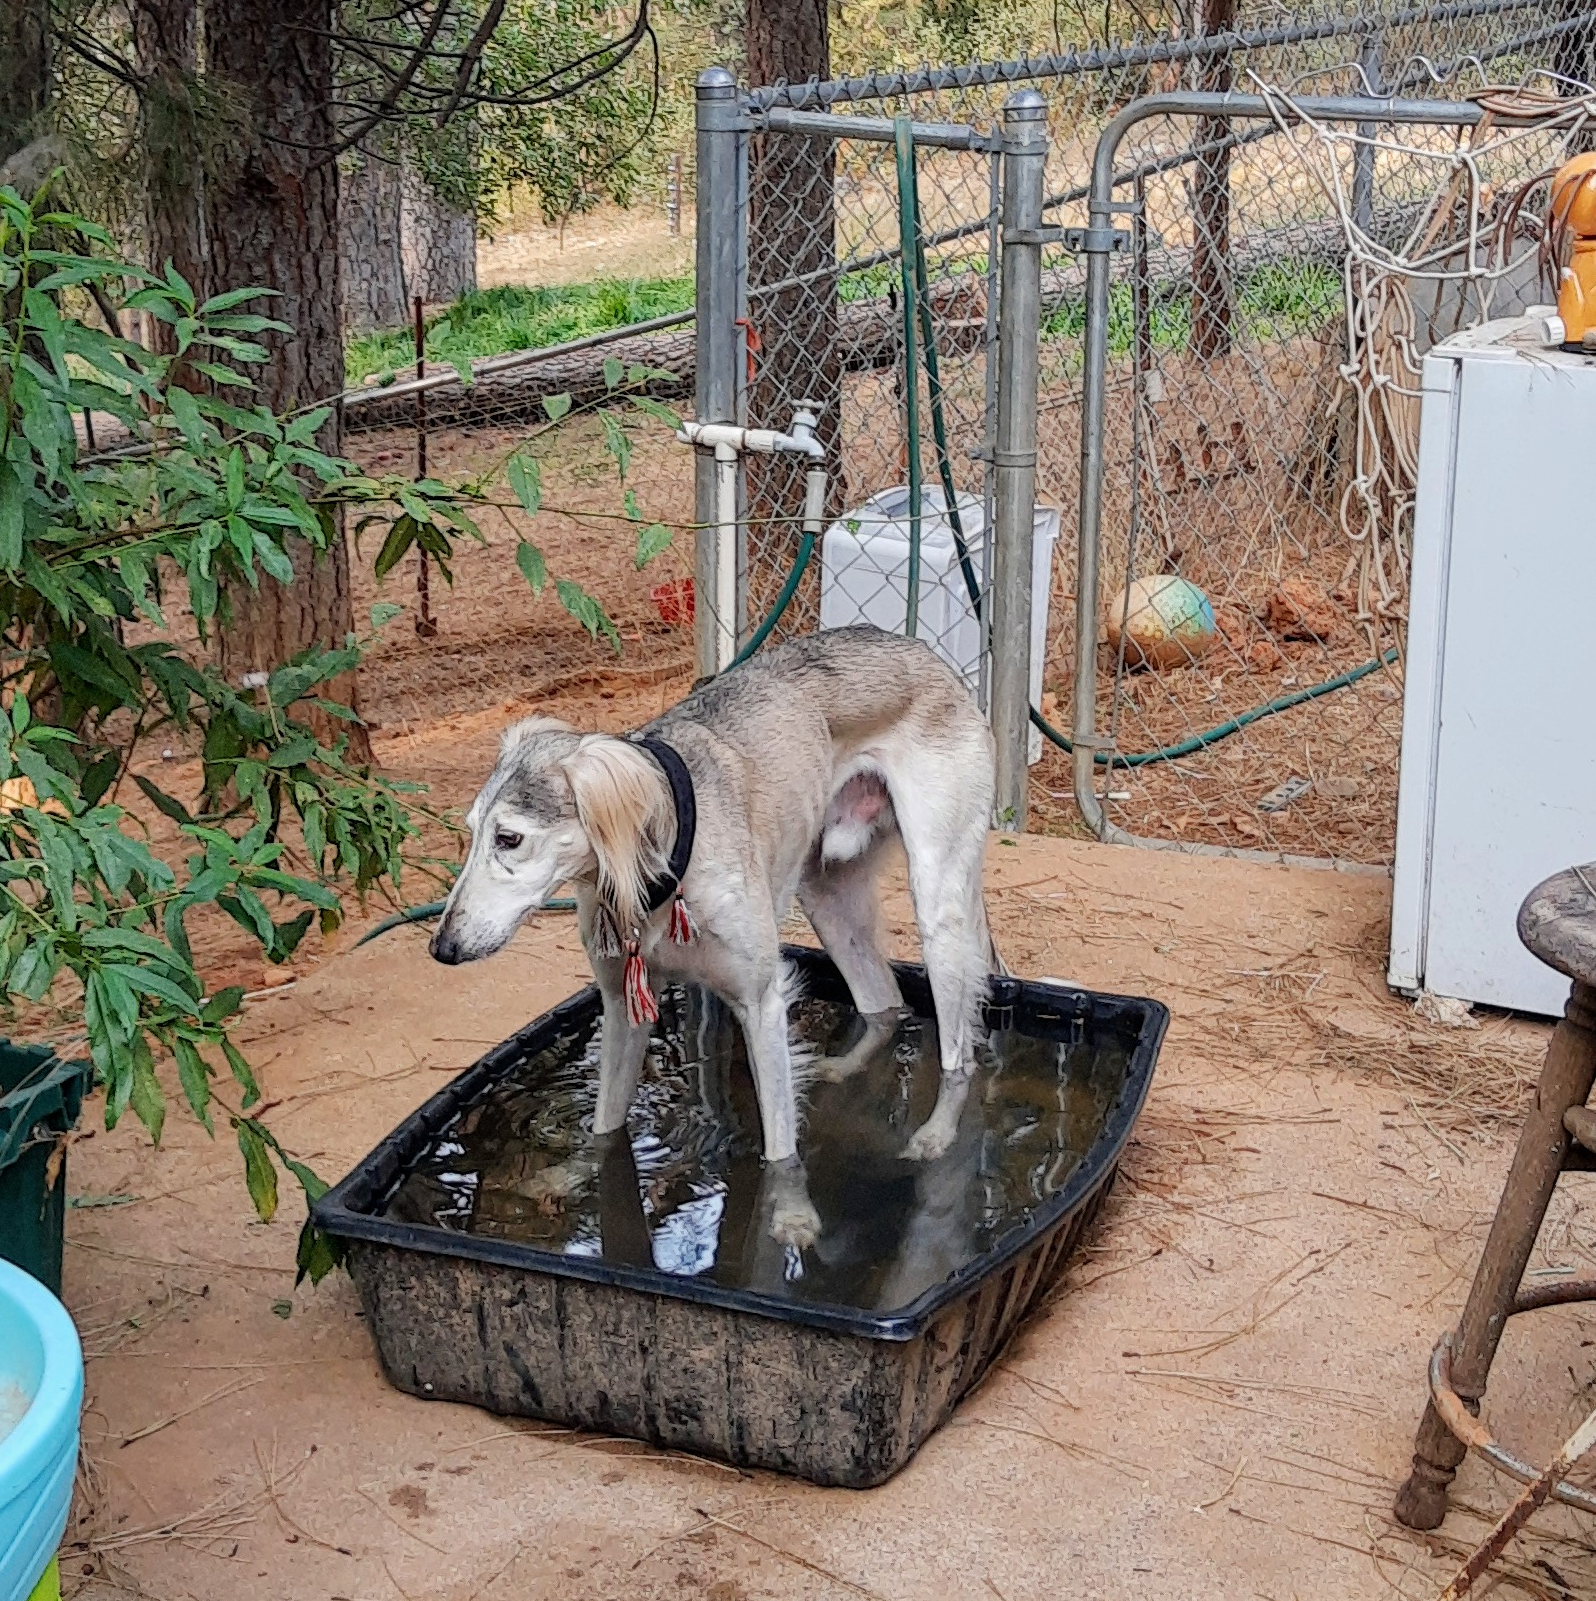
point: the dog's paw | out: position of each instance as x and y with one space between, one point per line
795 1223
928 1142
551 1185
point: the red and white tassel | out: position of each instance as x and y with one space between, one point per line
606 937
682 930
641 1007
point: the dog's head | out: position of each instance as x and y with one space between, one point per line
559 807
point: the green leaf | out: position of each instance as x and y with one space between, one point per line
233 297
318 1254
194 1074
614 371
658 410
616 442
526 482
11 522
651 542
167 805
288 935
156 985
186 414
222 1004
147 1100
241 1072
400 538
383 612
235 478
274 559
533 568
32 972
556 406
259 1175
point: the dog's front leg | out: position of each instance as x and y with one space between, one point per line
794 1220
622 1047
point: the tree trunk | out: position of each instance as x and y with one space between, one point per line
273 221
166 35
792 332
370 238
24 72
1212 289
440 243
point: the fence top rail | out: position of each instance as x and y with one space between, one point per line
886 85
825 125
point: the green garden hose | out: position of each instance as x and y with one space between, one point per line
806 549
1231 725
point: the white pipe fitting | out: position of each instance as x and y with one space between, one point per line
728 441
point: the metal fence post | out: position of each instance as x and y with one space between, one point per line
1014 455
1372 72
718 345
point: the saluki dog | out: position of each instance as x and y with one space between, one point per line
687 841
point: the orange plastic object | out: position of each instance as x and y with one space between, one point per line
1573 206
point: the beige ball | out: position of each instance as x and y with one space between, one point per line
1166 620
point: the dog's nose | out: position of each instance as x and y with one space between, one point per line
444 946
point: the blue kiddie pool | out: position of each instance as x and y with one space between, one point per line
41 1394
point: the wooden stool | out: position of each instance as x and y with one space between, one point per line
1558 924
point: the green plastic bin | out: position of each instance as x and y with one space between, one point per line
40 1097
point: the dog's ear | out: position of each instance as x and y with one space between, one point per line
624 806
518 733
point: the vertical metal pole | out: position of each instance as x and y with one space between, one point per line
718 344
1094 379
908 235
1014 453
989 416
1371 71
426 626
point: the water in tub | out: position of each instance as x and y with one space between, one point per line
685 1192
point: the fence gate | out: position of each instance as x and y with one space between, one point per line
852 268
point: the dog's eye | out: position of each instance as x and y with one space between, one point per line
507 840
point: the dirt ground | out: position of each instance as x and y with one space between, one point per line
607 243
1218 1403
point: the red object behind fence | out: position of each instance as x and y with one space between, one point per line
674 602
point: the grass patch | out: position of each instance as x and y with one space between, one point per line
492 322
1276 301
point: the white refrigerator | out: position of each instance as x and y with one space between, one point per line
1498 775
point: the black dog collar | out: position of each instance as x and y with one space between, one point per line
659 890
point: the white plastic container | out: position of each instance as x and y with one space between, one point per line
865 578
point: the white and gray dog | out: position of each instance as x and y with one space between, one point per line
687 841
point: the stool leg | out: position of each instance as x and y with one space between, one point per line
1565 1081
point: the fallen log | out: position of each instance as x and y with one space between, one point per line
869 331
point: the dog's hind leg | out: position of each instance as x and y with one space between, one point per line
944 833
842 902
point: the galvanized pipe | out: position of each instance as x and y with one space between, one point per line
941 135
1098 246
1014 452
719 348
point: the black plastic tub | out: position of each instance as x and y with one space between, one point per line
631 1287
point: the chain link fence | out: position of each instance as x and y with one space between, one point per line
1232 436
1231 433
613 484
